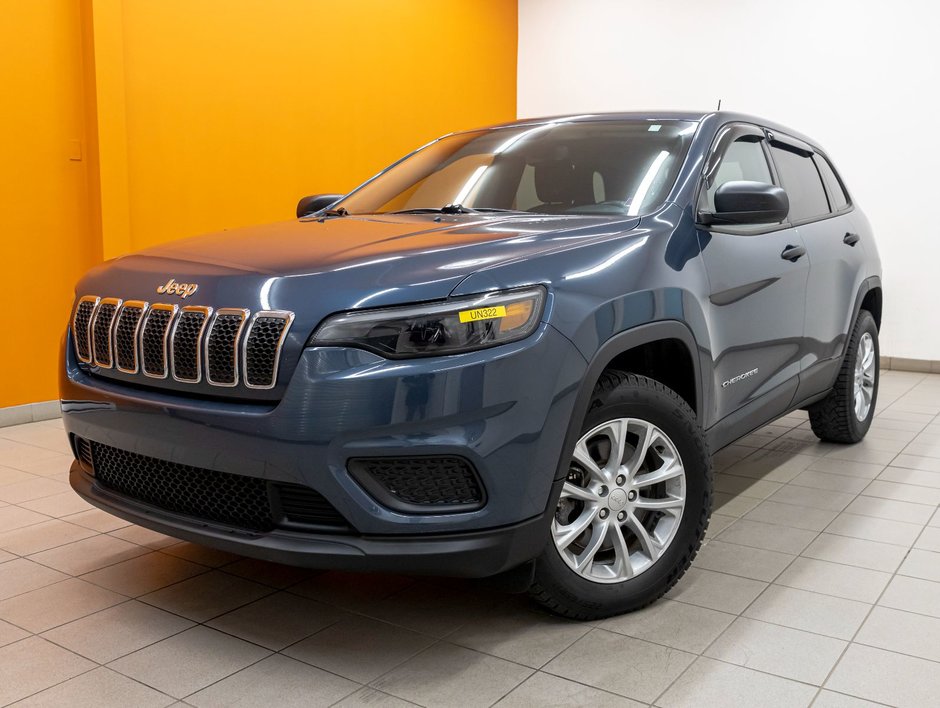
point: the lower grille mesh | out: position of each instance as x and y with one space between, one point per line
245 502
409 483
208 494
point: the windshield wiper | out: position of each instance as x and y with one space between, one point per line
497 210
447 209
341 211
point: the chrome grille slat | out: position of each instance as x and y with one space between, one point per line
261 348
222 346
81 326
153 340
227 347
186 343
126 329
101 325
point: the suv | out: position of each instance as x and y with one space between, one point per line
512 350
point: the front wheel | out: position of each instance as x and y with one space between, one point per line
634 506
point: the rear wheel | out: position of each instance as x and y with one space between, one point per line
634 507
845 415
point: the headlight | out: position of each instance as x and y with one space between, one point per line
458 325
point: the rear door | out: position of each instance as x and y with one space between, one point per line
822 213
757 278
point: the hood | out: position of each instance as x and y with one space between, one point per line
341 262
315 268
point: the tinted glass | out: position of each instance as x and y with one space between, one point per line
840 199
622 168
799 176
743 160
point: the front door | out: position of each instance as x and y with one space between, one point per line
757 281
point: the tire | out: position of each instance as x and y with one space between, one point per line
836 418
626 573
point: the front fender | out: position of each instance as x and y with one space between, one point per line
605 354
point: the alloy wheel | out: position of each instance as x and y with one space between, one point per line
622 501
864 376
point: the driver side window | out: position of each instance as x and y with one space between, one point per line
743 159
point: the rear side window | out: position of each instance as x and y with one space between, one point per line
801 179
840 200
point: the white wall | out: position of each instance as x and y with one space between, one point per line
861 77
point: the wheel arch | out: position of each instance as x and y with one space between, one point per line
872 301
868 297
623 349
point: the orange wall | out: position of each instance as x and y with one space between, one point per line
47 241
235 110
205 116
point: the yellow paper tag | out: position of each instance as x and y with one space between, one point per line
482 313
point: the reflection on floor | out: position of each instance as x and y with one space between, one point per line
820 580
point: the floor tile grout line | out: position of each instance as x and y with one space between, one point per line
276 589
49 585
801 555
106 663
866 618
40 497
83 673
52 548
847 695
749 605
564 678
193 625
270 653
738 615
534 672
894 651
855 634
434 642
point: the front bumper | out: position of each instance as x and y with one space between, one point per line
506 410
474 554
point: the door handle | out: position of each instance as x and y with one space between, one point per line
850 239
793 253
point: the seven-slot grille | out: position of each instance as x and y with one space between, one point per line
226 347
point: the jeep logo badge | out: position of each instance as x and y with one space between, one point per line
184 290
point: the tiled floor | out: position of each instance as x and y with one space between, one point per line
819 584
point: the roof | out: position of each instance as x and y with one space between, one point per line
716 117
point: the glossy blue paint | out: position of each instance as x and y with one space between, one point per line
730 299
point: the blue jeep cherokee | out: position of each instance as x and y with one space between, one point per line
515 348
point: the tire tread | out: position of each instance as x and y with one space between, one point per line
831 418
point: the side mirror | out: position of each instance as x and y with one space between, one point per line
744 202
315 202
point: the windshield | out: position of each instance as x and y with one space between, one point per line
623 168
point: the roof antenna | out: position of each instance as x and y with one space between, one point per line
719 105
